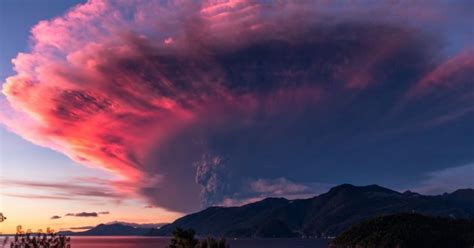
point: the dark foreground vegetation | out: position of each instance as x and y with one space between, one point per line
408 231
185 239
40 241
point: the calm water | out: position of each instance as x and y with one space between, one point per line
161 242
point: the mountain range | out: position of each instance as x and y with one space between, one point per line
115 229
326 215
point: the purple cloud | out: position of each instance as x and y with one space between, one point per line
87 214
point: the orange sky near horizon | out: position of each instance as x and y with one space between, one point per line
31 194
36 214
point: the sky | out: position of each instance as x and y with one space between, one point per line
142 111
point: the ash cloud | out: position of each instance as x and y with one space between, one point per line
211 175
189 101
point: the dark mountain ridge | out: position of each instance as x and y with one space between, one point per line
325 215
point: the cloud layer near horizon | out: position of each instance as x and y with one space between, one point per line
87 214
191 103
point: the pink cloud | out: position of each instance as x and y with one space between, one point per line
448 74
102 94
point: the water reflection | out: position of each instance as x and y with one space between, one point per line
162 242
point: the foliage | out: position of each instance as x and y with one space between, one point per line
185 239
212 243
407 231
40 241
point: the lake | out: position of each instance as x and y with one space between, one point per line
162 242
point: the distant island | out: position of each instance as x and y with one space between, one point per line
326 215
408 231
115 229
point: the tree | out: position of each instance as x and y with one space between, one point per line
212 243
183 239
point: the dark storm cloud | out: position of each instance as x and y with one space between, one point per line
213 102
55 217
